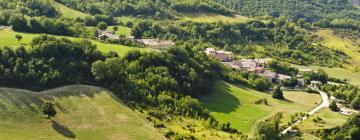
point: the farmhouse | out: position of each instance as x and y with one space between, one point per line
102 35
315 84
221 55
270 75
251 65
156 43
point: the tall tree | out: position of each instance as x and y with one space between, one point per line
49 109
278 94
18 37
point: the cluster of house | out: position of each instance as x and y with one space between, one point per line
152 43
259 66
251 65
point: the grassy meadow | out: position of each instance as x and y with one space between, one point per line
342 73
236 104
333 41
330 120
68 12
83 112
8 39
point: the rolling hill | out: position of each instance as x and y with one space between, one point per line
84 112
8 39
236 104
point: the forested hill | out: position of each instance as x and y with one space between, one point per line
153 8
295 9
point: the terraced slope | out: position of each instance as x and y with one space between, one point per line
84 112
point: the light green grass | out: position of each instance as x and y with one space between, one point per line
121 31
83 112
341 73
234 104
330 120
346 45
7 38
68 12
211 17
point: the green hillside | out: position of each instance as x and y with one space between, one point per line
84 112
295 9
8 39
234 104
68 12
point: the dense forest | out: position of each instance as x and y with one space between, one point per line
30 7
311 10
151 8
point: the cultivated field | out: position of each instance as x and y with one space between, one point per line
8 39
235 104
84 112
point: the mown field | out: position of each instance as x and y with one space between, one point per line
236 104
68 12
8 39
83 112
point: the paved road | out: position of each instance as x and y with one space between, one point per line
325 103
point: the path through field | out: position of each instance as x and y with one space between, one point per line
325 103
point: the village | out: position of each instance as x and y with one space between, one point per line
257 65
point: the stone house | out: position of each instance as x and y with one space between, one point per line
102 35
221 55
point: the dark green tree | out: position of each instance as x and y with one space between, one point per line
102 26
115 28
18 37
262 84
278 94
333 106
355 103
49 109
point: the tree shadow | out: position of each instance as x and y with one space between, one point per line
34 100
220 99
63 130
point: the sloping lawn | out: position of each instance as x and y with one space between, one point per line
83 112
236 104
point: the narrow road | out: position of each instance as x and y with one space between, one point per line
325 103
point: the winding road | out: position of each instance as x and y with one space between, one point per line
325 103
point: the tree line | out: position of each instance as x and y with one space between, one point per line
160 9
163 83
